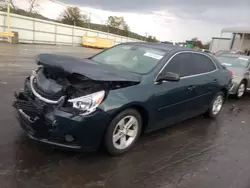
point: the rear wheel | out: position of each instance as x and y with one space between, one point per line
216 105
123 132
241 90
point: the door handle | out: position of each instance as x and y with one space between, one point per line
215 80
190 88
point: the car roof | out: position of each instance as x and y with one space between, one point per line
160 46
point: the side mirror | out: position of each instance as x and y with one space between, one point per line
168 76
223 66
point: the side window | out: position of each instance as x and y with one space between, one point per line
180 64
201 63
175 64
187 64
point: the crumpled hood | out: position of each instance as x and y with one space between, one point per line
86 67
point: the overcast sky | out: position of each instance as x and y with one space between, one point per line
175 20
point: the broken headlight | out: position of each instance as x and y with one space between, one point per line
89 103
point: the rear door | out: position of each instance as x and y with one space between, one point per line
248 77
204 78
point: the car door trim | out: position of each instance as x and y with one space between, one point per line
177 53
162 108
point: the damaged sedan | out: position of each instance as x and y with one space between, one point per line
110 99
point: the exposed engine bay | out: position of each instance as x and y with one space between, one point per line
70 85
49 89
53 84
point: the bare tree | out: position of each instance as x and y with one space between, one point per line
4 3
33 4
12 4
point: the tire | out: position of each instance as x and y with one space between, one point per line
211 113
241 90
115 129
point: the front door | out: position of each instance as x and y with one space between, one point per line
172 102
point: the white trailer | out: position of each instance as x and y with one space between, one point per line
240 39
218 43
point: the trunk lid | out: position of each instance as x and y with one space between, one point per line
85 67
237 71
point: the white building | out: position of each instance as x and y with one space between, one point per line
240 38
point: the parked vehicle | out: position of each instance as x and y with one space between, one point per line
205 50
223 52
169 42
239 65
114 96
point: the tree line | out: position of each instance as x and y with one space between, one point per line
72 15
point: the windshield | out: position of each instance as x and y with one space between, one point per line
234 61
135 59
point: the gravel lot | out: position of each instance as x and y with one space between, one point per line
196 153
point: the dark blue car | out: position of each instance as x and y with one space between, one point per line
111 98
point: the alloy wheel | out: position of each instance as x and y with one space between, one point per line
241 90
125 132
217 105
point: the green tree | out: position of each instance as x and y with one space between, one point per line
194 39
196 42
207 45
151 39
117 22
73 16
125 27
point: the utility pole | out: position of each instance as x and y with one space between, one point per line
73 33
89 20
8 16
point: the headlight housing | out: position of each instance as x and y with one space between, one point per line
87 104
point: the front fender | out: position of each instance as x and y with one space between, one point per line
135 96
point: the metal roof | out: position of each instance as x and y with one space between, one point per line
236 30
221 38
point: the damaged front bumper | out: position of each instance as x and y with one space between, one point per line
50 124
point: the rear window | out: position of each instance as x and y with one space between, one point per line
234 61
135 59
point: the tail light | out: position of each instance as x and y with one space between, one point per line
232 75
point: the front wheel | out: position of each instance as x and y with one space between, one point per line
216 105
123 132
241 90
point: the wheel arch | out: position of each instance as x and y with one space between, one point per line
246 81
225 91
140 109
